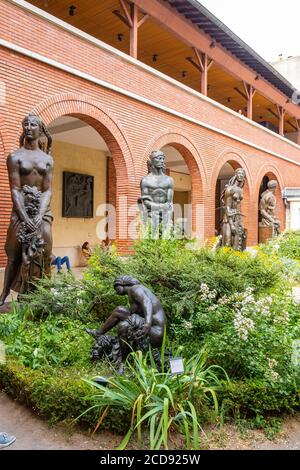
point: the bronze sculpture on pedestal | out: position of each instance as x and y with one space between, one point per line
156 201
233 232
29 238
269 225
139 327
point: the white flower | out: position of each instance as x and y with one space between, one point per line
283 317
271 374
212 308
243 325
188 325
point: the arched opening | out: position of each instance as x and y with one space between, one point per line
177 168
184 163
225 174
84 182
280 208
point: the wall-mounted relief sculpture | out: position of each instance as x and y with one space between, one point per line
156 201
78 195
233 232
29 237
269 225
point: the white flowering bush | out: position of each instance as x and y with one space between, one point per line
250 337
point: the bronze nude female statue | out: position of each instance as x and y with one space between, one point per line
233 232
29 238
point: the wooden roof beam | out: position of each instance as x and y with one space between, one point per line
130 18
190 34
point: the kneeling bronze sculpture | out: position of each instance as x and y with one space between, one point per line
138 327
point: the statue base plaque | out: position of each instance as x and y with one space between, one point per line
265 233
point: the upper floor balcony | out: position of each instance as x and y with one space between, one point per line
173 54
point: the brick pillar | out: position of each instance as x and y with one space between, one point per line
5 205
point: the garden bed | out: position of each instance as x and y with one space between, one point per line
236 308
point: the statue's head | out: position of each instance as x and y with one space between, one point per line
240 174
34 129
238 179
156 160
122 283
272 185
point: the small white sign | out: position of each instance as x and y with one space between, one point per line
176 365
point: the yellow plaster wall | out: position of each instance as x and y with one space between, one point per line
182 182
69 233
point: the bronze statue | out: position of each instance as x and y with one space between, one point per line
156 201
269 225
29 239
232 231
140 326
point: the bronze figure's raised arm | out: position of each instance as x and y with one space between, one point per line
29 239
156 201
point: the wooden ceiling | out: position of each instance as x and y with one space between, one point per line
160 50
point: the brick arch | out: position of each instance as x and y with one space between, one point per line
195 165
122 171
93 113
236 161
273 174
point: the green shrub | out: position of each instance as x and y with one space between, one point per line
58 396
286 247
254 397
55 342
235 306
249 337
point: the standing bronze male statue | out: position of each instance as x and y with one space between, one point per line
140 326
269 225
29 239
233 232
156 201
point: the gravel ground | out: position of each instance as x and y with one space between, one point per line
34 434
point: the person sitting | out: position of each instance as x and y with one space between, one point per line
58 261
6 440
86 251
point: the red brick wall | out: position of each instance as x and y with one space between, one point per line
130 128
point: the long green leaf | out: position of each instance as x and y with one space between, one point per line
123 444
195 426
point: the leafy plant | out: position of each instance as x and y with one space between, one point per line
160 401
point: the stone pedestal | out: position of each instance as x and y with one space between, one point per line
265 233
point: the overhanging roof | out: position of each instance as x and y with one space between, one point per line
219 32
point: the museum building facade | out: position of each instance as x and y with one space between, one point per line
117 79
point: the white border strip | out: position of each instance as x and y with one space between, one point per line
109 86
102 45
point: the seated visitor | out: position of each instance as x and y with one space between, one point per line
58 261
86 251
